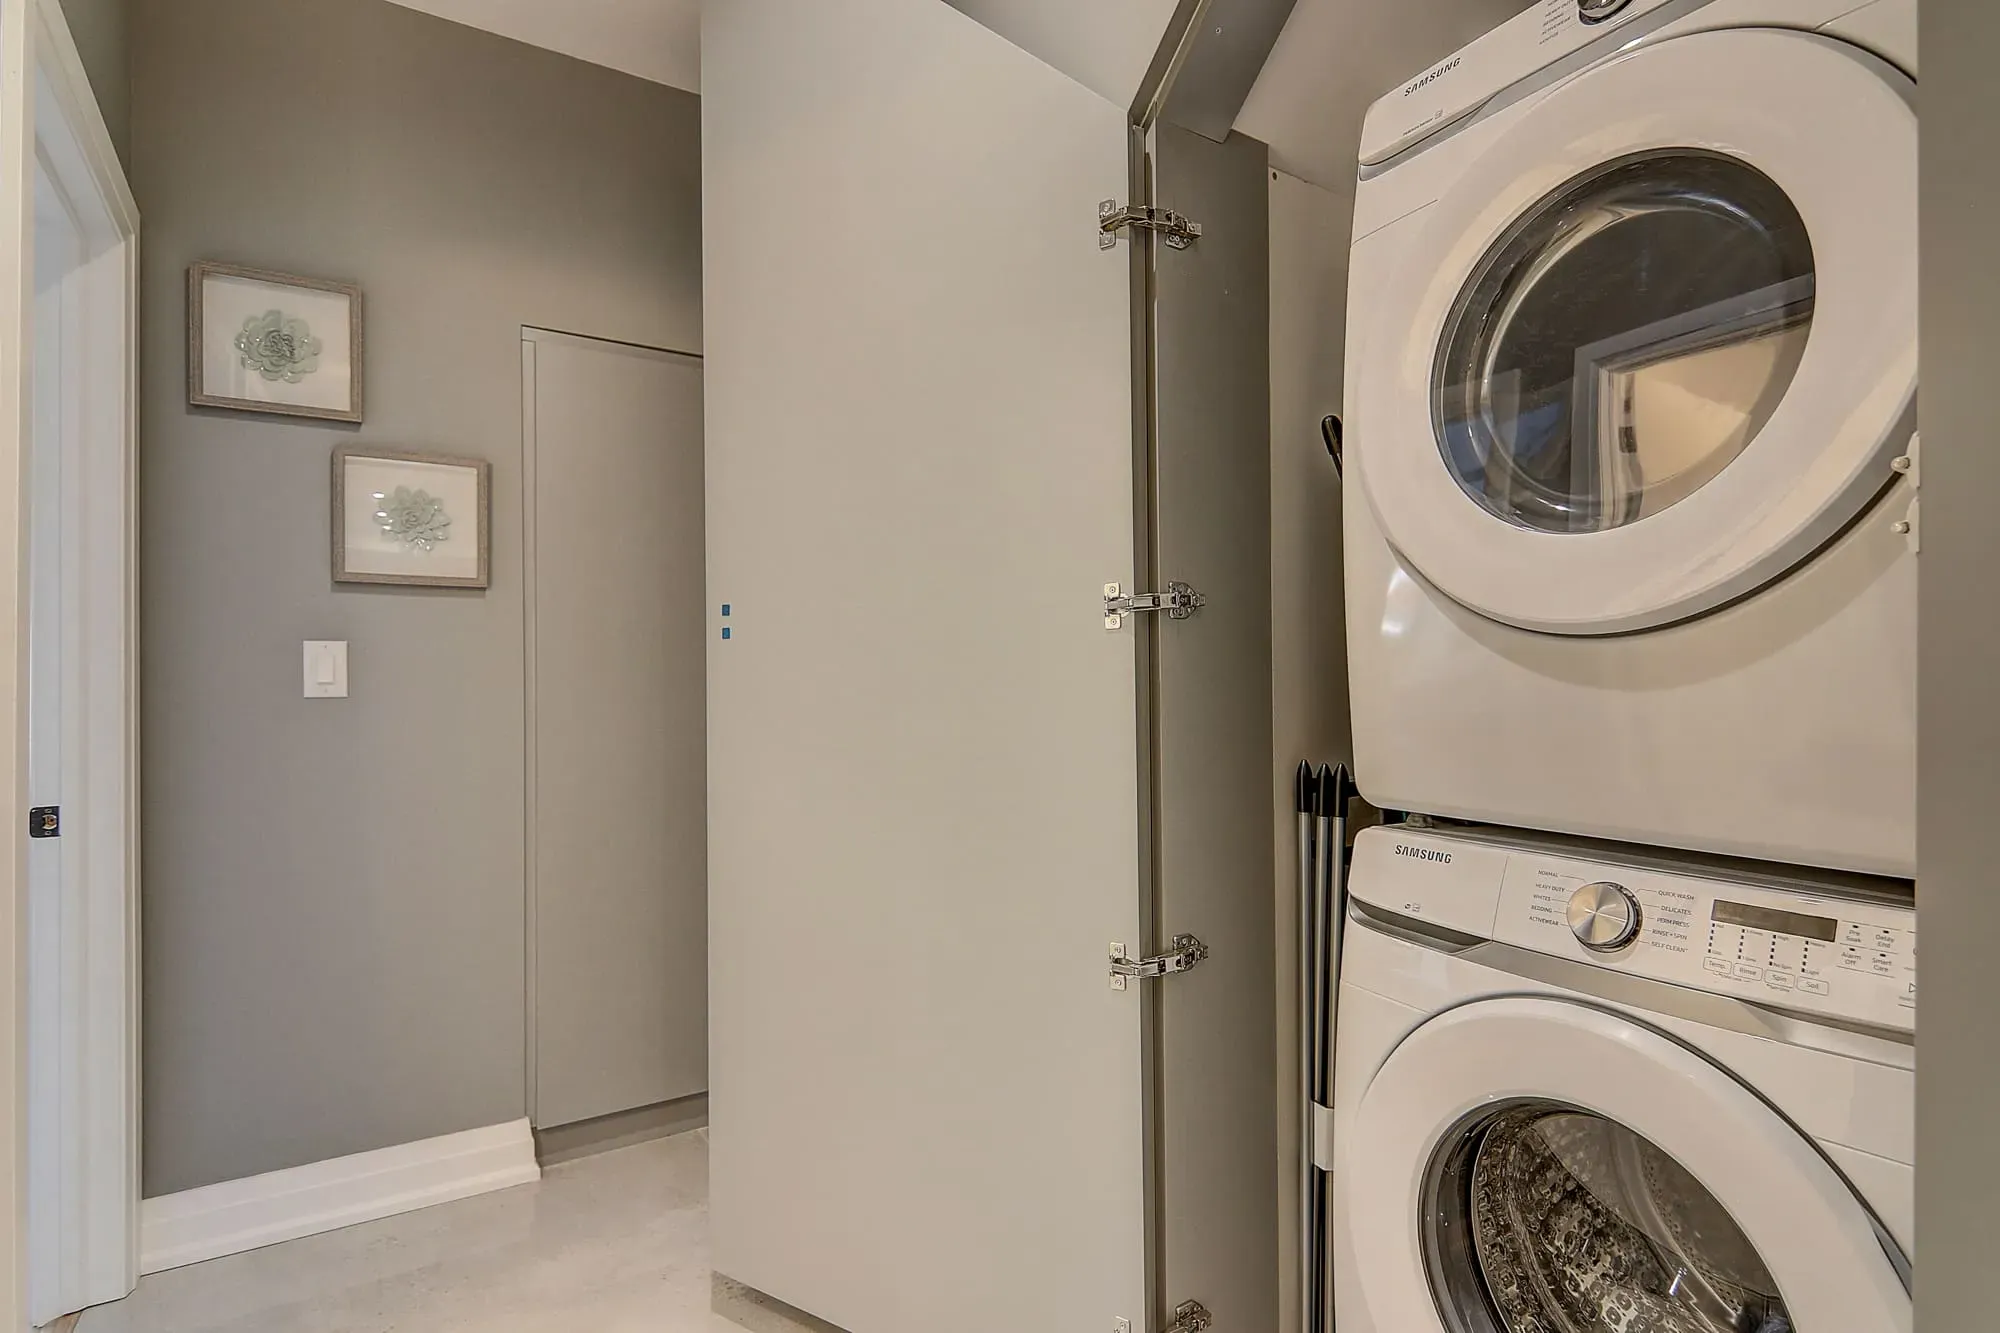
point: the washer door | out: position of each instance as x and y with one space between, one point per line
1527 1165
1659 342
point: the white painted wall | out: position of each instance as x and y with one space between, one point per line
1105 45
1334 58
1309 717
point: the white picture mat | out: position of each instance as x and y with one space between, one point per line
371 551
227 302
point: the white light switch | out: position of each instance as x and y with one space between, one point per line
326 668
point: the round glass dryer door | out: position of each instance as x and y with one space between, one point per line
1624 342
1657 343
1540 1165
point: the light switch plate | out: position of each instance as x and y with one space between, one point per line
326 669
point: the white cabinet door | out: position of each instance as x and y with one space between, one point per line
927 1101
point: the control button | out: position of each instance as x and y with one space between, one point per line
1885 939
1884 965
1909 995
1603 916
1852 933
1747 972
1719 966
1854 958
1812 986
1779 981
1596 11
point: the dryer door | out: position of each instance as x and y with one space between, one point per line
1529 1165
1659 342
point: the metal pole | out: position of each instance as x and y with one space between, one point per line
1323 857
1337 788
1305 791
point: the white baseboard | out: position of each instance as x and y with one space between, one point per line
238 1215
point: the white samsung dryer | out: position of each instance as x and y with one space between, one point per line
1631 522
1580 1091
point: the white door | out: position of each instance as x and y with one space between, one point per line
1658 342
1544 1164
618 896
67 361
927 1104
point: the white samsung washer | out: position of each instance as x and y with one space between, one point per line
1631 521
1578 1091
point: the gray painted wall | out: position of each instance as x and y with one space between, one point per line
1958 739
334 890
99 28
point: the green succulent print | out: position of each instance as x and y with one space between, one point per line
278 347
416 519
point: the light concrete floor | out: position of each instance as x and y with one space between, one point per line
616 1243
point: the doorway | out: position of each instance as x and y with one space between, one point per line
617 849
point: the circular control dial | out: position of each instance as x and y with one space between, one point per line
1596 11
1603 916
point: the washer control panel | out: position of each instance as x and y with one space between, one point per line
1816 952
1803 949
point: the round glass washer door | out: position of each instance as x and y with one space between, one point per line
1539 1165
1649 351
1545 1218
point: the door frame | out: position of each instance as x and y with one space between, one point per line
55 126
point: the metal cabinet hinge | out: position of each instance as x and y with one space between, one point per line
1190 1317
1178 602
45 821
1183 956
1178 230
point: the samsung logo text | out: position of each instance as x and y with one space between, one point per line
1425 80
1423 853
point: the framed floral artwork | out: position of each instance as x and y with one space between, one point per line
410 518
260 341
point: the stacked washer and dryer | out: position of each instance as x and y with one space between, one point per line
1626 1005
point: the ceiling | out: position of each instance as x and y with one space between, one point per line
658 40
1333 59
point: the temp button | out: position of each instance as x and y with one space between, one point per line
1719 966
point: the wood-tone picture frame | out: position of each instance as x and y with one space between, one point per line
412 519
264 341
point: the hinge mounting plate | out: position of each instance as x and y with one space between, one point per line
1178 602
1178 230
1185 954
1190 1317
